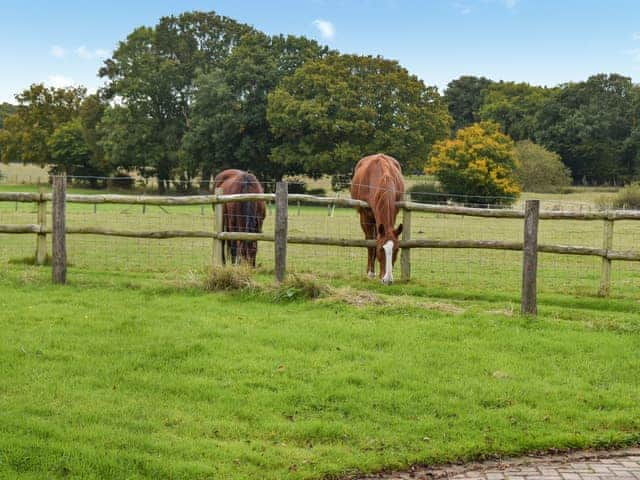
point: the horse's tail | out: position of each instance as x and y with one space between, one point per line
249 209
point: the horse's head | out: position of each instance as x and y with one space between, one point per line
387 245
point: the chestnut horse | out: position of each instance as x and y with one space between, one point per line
241 216
378 180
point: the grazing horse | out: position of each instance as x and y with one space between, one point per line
378 180
241 216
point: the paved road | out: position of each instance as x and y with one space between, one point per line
601 465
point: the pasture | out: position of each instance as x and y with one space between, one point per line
133 370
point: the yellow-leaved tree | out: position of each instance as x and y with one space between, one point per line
479 162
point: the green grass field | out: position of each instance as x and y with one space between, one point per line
133 370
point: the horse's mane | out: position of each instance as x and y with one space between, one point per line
384 199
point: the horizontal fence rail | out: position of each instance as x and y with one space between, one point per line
406 243
297 197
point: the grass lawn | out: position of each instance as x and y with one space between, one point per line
120 376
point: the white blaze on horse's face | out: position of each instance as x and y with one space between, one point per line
388 254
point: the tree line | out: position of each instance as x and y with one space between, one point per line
593 125
199 92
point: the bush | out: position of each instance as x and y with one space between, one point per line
427 192
541 170
340 182
121 181
320 192
627 198
478 164
296 185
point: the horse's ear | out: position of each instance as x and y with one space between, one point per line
398 230
381 230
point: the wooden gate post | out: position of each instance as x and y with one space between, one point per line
281 228
58 230
41 239
405 254
607 244
218 227
530 258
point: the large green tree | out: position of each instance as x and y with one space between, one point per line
593 126
6 109
229 125
40 111
333 111
514 106
152 73
464 97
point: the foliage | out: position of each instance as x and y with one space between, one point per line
40 111
153 73
540 170
121 181
6 109
464 97
70 151
514 106
627 197
427 192
340 182
480 162
296 185
129 141
229 126
593 126
331 112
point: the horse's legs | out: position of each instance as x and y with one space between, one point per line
368 224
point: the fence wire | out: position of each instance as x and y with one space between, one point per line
471 270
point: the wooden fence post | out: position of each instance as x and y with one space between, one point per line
41 239
58 231
282 207
218 227
607 244
530 258
405 254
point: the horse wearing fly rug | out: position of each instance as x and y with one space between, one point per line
378 180
241 216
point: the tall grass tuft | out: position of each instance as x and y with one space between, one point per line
627 198
229 278
300 286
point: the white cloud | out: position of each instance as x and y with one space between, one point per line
326 28
57 51
467 6
59 81
86 54
463 8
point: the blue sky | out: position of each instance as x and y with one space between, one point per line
544 42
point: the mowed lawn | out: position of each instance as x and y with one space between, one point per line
115 376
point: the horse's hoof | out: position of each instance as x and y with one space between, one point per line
371 275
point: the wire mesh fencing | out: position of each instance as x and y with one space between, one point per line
467 270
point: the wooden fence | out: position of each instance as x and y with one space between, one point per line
529 246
